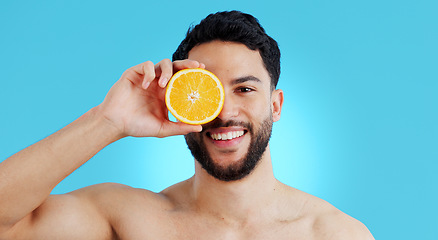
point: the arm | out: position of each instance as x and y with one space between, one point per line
28 177
133 107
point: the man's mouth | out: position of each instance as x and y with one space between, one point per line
226 135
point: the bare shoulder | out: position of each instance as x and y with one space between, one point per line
131 212
326 221
86 213
112 198
103 190
334 224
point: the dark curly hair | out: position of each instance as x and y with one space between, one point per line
234 26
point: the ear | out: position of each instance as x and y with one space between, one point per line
277 103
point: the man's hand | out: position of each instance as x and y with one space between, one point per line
135 105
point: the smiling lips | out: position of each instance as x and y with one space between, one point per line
227 135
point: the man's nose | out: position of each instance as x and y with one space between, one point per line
230 109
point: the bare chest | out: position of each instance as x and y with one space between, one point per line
182 227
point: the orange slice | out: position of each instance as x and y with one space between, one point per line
194 96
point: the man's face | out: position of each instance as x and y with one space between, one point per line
230 147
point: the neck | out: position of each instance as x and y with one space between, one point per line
236 200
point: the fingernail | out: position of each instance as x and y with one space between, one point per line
163 82
146 85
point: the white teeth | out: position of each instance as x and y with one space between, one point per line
226 136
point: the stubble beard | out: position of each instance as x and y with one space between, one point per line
241 168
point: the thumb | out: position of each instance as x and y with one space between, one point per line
178 128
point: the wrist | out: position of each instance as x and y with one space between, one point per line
107 128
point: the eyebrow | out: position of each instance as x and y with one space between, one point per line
245 79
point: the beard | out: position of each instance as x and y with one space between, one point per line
239 169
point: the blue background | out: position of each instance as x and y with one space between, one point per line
359 123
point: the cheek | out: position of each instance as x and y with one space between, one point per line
257 114
254 107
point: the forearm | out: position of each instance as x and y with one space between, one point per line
28 177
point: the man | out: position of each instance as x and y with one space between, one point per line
233 194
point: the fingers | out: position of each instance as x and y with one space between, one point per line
162 70
187 63
165 69
146 70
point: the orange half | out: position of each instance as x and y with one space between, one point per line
194 96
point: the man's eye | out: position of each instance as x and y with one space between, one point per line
244 89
